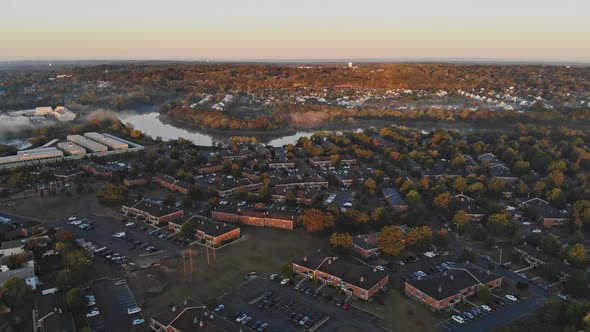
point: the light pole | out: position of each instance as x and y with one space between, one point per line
500 255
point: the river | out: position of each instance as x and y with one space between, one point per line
151 124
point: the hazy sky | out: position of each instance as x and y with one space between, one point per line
301 29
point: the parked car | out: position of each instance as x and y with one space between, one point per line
511 297
346 305
380 268
246 320
486 308
458 319
92 312
241 318
133 310
469 315
274 276
262 327
284 281
219 308
138 321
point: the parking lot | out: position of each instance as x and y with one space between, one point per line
499 315
283 308
133 246
113 299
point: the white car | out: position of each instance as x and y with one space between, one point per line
380 268
119 235
72 218
129 224
486 308
284 281
274 276
219 308
429 254
511 297
93 312
562 296
536 230
458 319
138 321
241 318
133 310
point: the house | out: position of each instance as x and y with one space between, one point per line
467 204
359 281
52 314
547 215
153 212
365 245
27 273
442 290
135 181
212 232
13 247
503 172
272 218
96 169
536 258
489 158
188 317
171 183
395 200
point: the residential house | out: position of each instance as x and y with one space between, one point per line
467 204
395 200
365 245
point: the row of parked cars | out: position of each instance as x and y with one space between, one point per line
134 244
250 321
111 255
83 223
434 269
477 312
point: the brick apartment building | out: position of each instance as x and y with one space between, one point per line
234 214
365 245
153 213
188 317
358 281
96 169
214 233
171 183
444 289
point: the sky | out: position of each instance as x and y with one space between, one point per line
534 30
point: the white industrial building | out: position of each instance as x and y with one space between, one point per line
60 113
32 157
112 143
71 149
87 143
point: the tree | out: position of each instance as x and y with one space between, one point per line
18 293
460 184
371 185
556 197
315 220
111 194
187 230
18 180
414 199
391 240
77 261
556 177
550 245
484 294
358 216
461 219
64 280
135 133
16 261
76 300
419 237
442 200
577 285
341 240
576 255
496 185
498 223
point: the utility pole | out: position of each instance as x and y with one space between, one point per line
190 252
184 266
207 248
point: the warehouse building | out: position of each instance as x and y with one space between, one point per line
32 157
87 143
112 143
71 149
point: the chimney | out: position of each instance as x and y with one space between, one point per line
440 288
375 269
329 261
362 278
305 259
452 278
173 308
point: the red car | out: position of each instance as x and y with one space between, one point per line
346 305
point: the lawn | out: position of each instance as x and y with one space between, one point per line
401 313
264 250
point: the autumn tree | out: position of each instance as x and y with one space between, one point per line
391 240
358 216
576 255
370 185
315 220
556 177
460 184
341 240
461 219
111 194
442 200
498 223
419 237
17 292
414 199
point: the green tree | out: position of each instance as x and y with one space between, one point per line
18 293
498 223
391 240
576 255
64 280
414 199
577 285
76 300
187 230
550 245
484 294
